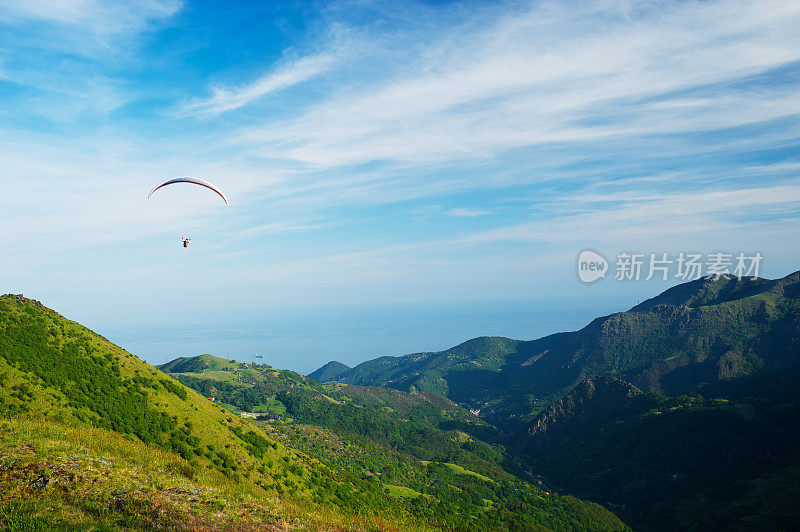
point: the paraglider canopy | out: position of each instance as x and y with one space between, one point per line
194 181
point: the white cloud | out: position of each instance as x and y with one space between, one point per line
285 76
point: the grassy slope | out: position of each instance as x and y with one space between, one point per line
56 374
55 475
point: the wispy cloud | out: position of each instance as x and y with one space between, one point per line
63 59
282 77
99 19
642 217
554 73
461 212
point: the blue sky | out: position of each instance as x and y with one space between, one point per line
382 153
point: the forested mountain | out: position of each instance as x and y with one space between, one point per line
694 335
330 371
92 437
667 463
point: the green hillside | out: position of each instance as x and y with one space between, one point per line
66 391
421 449
691 336
198 364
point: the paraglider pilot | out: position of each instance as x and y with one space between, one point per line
195 181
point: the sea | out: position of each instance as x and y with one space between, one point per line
303 339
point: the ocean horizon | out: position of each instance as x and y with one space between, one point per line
303 339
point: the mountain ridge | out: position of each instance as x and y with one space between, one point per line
692 335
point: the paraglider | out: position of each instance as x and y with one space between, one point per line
194 181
